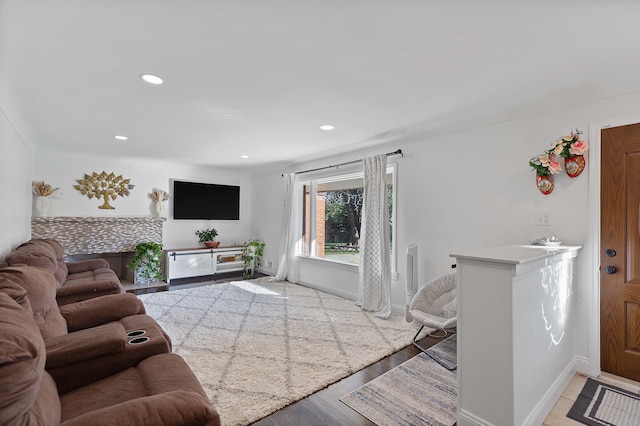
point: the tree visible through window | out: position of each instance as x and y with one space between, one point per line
334 208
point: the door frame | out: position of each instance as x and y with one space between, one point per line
593 236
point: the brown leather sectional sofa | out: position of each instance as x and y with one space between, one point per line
101 361
77 281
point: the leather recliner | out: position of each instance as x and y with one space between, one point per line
76 281
160 390
89 340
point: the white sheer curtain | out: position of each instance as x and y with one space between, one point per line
375 263
287 268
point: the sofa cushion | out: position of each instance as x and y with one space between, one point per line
35 253
29 395
76 281
93 312
61 267
156 375
10 285
100 274
178 407
41 289
77 290
87 265
82 372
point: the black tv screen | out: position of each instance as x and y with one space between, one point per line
194 200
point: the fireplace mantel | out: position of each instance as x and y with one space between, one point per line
90 235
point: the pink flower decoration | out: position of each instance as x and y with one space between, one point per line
554 167
549 161
557 150
579 147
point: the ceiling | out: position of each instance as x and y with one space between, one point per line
258 77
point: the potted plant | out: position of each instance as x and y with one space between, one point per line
545 165
572 148
146 262
207 236
252 251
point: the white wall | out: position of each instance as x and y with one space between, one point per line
473 189
146 175
266 217
16 174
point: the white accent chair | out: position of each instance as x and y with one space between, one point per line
435 306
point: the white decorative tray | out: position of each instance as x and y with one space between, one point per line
546 241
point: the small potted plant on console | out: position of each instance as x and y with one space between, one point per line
207 236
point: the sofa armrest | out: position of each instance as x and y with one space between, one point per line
100 310
85 345
87 265
180 407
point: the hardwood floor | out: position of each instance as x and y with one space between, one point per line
324 407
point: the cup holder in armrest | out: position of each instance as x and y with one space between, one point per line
136 333
139 340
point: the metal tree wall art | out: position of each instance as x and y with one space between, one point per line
105 186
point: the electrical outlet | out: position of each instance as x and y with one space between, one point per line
543 219
269 264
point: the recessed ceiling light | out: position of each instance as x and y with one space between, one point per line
327 127
120 137
151 78
244 156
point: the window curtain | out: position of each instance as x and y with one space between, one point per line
287 268
374 290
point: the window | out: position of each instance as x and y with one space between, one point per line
332 212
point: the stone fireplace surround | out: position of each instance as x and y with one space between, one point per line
112 238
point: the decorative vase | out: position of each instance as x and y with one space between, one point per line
574 165
42 206
212 244
160 208
544 184
139 276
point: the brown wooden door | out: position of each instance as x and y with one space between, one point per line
620 271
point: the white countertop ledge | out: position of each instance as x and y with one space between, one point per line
518 254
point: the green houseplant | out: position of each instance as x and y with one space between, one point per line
146 262
207 236
252 251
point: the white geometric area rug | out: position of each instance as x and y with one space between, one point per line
257 346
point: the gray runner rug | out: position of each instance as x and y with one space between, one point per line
417 392
603 404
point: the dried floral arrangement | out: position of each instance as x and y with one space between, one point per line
43 189
158 195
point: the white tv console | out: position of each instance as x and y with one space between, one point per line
194 262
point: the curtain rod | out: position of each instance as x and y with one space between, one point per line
388 154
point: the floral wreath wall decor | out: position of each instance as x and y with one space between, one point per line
572 148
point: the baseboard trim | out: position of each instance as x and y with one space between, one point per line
466 418
395 309
542 409
583 366
328 289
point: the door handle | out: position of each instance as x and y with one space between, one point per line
610 252
610 269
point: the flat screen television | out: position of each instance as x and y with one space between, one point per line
194 200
